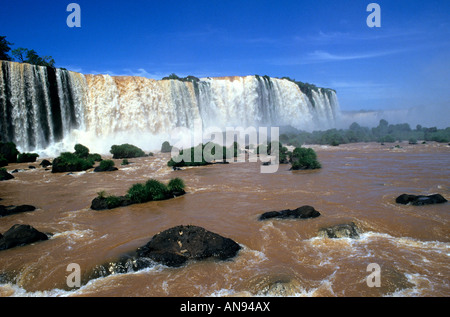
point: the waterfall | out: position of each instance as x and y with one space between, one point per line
39 105
42 106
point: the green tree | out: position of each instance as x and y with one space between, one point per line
25 55
304 158
4 49
20 54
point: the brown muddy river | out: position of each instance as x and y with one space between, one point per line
357 182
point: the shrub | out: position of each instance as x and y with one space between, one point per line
3 161
138 193
69 162
189 153
125 162
81 151
156 190
113 202
106 164
27 157
126 151
94 157
387 139
176 185
166 147
9 151
303 158
101 194
279 150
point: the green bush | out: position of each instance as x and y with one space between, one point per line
81 151
156 190
387 139
113 201
9 151
69 162
138 193
94 157
166 147
3 161
190 153
303 158
106 164
176 185
280 150
125 162
27 157
126 151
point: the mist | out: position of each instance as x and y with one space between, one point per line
429 116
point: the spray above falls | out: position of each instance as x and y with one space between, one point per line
43 106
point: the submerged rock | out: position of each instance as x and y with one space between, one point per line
347 230
303 212
19 235
11 210
419 200
175 246
273 285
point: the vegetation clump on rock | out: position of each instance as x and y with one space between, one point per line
151 190
304 158
106 166
126 151
80 160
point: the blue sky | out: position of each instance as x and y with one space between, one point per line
404 63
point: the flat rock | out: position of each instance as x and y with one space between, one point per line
420 200
11 210
303 212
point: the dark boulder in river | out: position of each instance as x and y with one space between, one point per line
4 175
19 235
303 212
172 247
175 246
45 163
103 203
11 210
347 230
419 200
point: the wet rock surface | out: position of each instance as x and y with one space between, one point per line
420 200
303 212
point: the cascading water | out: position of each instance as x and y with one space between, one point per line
39 105
43 106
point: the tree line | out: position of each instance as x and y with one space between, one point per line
23 55
383 133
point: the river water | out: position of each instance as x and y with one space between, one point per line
358 183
